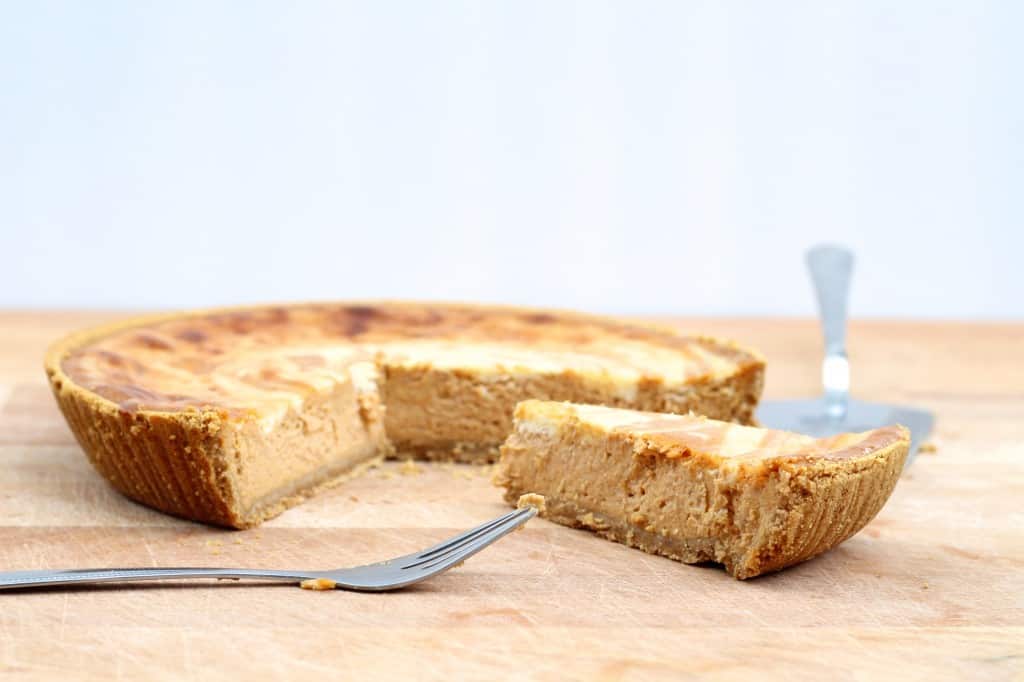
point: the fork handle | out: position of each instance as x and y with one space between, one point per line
30 579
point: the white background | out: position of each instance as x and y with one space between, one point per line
641 157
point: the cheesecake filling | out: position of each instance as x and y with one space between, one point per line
336 430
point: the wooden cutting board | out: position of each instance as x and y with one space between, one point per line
931 589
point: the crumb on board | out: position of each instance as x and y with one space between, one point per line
318 584
924 586
353 498
534 500
927 448
409 468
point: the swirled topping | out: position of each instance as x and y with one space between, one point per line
680 436
261 360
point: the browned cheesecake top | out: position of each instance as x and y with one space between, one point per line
682 436
263 358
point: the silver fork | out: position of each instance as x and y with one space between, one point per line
385 575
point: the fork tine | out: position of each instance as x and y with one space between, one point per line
397 573
463 551
442 563
462 537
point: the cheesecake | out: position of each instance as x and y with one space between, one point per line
231 416
696 489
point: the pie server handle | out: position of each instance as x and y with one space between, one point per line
831 268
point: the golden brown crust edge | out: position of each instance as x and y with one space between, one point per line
173 462
820 505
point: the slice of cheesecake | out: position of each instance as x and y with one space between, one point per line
230 416
699 490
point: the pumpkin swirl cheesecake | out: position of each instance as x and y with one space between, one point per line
231 416
696 489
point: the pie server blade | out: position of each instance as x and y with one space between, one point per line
835 412
811 417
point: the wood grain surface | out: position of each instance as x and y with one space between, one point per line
932 589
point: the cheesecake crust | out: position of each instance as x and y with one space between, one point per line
698 490
229 416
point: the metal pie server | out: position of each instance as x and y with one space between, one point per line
836 412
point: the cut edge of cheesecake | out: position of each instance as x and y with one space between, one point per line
697 490
210 466
203 463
